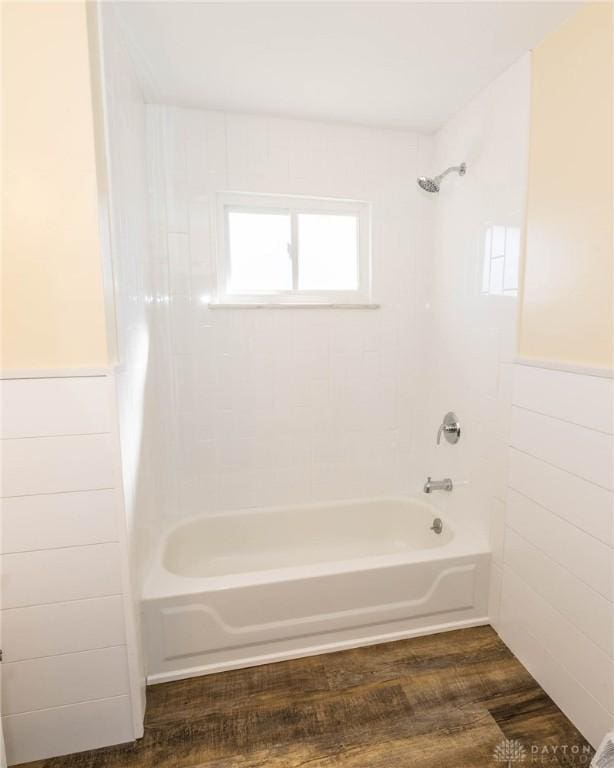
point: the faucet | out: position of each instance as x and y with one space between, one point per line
438 485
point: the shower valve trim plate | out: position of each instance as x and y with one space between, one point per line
450 428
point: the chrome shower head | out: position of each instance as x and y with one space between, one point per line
434 185
428 184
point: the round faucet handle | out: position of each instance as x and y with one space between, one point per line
450 427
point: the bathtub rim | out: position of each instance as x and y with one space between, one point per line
160 583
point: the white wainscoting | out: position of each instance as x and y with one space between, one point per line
68 729
67 685
555 607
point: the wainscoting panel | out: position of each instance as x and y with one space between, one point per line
57 575
63 730
78 625
67 684
59 520
67 678
554 606
48 407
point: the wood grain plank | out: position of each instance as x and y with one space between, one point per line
432 701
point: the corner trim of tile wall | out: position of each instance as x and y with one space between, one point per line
131 598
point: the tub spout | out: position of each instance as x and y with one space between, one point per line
438 485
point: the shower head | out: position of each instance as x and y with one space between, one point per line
434 185
428 184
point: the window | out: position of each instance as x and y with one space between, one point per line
292 250
501 260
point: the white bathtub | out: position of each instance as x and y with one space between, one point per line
251 587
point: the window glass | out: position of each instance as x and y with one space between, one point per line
327 252
260 250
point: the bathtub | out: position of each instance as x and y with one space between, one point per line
251 587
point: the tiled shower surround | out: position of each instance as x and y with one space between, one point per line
283 406
268 407
468 308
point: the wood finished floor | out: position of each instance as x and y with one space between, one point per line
433 702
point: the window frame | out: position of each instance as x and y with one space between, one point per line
294 205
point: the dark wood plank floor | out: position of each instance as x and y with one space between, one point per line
433 702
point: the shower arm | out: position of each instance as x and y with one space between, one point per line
460 169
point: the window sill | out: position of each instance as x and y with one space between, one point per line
295 305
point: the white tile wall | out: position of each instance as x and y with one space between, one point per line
274 407
467 337
556 608
63 589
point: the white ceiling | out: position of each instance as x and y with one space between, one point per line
398 64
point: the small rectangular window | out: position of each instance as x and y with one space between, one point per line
501 260
293 250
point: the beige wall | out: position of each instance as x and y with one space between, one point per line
567 307
52 292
